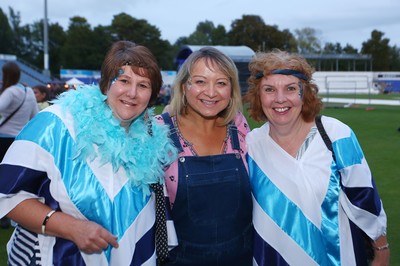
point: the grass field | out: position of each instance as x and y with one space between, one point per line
377 131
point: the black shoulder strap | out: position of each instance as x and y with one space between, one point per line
324 136
16 110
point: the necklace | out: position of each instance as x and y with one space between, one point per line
290 143
191 146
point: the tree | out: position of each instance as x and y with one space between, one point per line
307 41
274 38
57 38
249 31
103 39
79 46
181 41
125 27
207 34
349 49
219 36
378 47
332 48
20 38
203 34
394 63
6 35
288 41
198 38
252 31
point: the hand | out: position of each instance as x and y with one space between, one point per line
91 237
88 236
381 258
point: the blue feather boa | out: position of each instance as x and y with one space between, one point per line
99 134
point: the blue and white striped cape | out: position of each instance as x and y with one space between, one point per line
303 212
43 166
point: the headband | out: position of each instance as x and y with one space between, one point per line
296 73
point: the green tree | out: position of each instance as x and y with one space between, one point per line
103 39
181 41
349 49
378 47
219 36
125 27
274 38
251 30
308 41
207 34
21 36
56 39
6 35
351 65
198 38
79 46
394 63
288 41
332 48
203 34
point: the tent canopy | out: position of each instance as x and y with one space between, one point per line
74 81
240 53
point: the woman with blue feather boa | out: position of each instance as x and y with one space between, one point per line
77 178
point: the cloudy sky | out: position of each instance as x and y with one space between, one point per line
343 21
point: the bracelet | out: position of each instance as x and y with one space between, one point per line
386 246
45 221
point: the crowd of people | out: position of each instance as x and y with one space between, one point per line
97 178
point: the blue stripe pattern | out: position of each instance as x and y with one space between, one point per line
264 254
348 153
89 196
286 214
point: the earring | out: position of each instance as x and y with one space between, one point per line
184 100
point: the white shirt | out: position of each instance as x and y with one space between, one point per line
10 99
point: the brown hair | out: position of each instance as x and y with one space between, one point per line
224 64
11 75
43 89
139 58
262 64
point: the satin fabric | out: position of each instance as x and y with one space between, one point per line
303 213
44 165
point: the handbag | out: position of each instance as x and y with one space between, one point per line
369 249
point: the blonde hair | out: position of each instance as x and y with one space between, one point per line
224 64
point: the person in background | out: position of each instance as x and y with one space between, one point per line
77 178
17 107
17 102
208 185
42 95
310 208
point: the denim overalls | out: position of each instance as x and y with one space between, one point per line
213 208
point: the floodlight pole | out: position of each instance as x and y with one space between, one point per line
45 41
